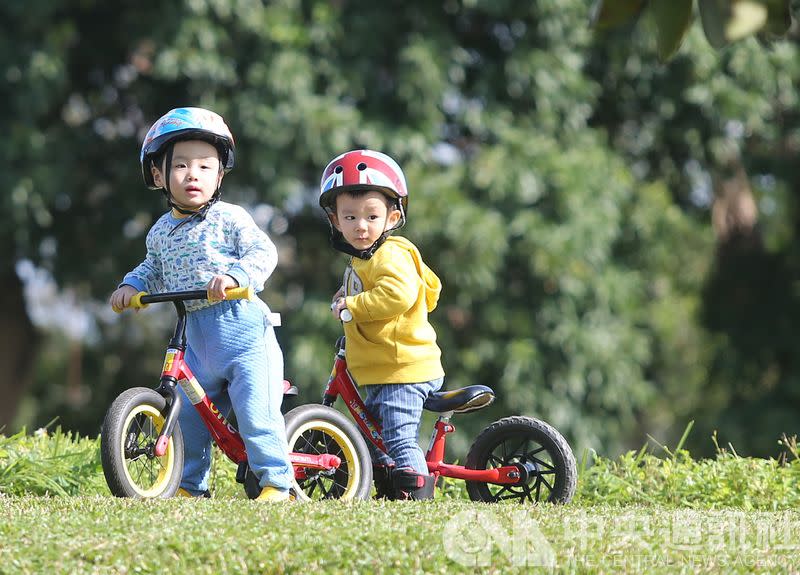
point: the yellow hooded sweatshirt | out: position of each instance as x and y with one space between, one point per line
389 339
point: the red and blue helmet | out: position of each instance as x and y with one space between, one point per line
362 170
186 124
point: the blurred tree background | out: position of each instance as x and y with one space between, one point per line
615 235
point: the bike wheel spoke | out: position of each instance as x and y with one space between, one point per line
312 445
542 463
498 496
328 491
337 489
511 494
139 472
496 461
520 449
535 451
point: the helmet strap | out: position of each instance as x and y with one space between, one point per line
338 242
402 221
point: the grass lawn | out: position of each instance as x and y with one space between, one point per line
637 513
96 534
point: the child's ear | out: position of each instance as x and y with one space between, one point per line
335 221
393 218
158 180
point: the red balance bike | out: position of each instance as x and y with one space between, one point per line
516 458
142 445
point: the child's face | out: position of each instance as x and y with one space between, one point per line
194 174
363 219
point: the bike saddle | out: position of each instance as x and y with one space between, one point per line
470 398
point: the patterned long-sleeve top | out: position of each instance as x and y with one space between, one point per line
186 255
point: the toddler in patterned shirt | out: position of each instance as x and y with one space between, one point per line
204 243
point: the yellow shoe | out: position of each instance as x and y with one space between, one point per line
271 494
183 493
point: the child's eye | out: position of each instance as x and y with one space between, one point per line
178 165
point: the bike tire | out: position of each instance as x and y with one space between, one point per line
129 432
319 429
551 472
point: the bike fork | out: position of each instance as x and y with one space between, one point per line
169 390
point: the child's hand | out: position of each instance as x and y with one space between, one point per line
337 303
121 298
337 306
217 286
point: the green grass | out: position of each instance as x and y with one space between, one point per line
677 480
54 463
106 535
634 514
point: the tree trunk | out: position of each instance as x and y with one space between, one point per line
19 343
734 214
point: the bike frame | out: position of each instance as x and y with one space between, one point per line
176 372
341 384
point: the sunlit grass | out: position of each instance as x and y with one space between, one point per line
637 513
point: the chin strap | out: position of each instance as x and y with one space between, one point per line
199 214
338 242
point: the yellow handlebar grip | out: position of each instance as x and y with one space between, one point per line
240 293
136 301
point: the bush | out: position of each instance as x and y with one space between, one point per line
678 480
58 463
46 463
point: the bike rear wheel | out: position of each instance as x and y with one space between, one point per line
544 458
317 430
127 447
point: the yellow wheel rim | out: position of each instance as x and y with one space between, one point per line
147 475
342 442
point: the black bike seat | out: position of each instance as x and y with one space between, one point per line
470 398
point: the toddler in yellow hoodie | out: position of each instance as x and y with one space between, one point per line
387 292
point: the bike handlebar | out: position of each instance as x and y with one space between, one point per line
142 299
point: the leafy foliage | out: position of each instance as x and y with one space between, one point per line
561 185
724 21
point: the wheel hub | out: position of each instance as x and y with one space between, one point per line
527 470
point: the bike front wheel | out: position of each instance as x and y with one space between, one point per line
544 458
127 447
318 430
